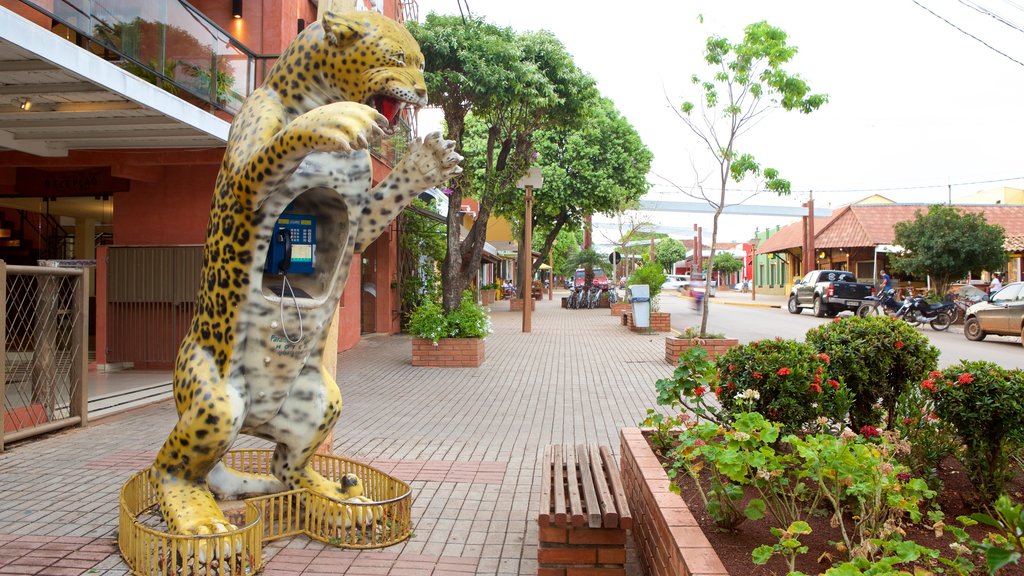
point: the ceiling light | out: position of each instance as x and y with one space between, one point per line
236 8
25 103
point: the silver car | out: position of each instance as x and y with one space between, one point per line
1002 313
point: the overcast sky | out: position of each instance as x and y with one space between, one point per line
915 104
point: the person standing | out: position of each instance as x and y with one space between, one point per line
996 285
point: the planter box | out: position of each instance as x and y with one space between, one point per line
660 322
516 304
487 297
620 308
674 347
449 352
668 540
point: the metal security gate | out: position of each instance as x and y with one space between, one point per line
45 363
151 293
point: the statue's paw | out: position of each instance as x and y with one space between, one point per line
344 126
213 545
435 158
357 512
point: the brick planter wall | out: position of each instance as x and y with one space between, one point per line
570 551
516 304
660 322
620 308
668 540
449 352
674 347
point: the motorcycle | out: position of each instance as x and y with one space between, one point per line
916 310
885 303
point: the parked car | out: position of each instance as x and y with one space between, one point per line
600 278
829 292
1002 313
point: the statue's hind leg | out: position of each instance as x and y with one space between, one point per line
210 415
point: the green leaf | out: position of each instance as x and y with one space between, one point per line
986 520
996 558
762 554
799 527
755 509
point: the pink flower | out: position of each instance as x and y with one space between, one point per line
899 344
824 358
928 385
699 442
783 371
869 431
965 378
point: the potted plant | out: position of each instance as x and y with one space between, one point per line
449 340
488 293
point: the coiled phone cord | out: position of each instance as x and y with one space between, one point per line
286 285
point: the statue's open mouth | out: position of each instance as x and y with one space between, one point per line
389 107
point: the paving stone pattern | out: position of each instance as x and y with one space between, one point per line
469 440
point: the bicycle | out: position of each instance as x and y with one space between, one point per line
613 296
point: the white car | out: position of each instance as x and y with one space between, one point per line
675 282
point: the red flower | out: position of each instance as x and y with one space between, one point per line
869 431
965 378
899 344
732 385
935 374
699 391
783 371
732 367
817 379
908 420
758 375
903 476
824 358
834 383
816 388
928 385
718 390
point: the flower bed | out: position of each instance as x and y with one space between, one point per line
676 347
660 322
516 304
448 352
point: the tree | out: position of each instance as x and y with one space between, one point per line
631 227
510 85
726 263
946 244
566 244
599 166
669 251
587 259
748 81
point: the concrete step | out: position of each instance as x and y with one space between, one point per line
121 401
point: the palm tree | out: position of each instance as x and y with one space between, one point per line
587 259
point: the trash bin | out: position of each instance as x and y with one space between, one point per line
640 298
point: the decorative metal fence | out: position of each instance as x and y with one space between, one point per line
44 369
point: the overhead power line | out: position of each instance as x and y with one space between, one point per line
965 32
883 189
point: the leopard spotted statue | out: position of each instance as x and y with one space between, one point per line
251 361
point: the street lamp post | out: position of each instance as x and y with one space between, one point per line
532 179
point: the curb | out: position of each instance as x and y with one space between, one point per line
734 303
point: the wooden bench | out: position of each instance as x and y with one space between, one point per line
583 512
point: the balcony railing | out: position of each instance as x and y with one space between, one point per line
167 42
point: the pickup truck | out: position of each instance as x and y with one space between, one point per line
828 292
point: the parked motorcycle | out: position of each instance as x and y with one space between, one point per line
916 310
885 303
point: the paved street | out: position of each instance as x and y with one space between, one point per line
468 440
735 315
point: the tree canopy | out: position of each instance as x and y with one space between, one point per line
749 79
669 251
511 84
946 244
726 263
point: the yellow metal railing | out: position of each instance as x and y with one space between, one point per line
384 521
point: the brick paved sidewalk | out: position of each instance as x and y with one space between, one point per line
467 439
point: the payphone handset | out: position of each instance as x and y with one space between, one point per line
292 251
293 246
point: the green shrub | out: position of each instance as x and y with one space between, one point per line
469 320
785 380
984 402
929 438
652 275
692 332
877 359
